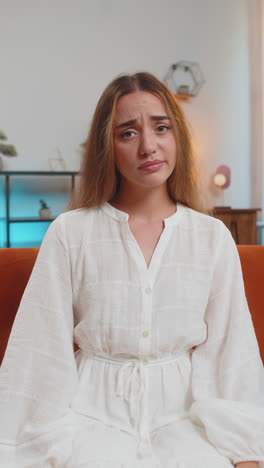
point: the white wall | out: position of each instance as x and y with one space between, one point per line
56 56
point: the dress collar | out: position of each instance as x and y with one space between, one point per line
123 217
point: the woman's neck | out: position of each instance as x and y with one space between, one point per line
147 205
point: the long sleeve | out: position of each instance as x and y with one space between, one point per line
38 375
228 376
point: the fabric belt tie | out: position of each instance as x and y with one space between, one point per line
132 384
128 375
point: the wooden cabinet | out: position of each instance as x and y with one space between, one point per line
241 222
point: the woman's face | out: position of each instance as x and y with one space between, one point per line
144 144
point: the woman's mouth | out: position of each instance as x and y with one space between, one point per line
151 166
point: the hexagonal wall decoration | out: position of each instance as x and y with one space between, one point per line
185 78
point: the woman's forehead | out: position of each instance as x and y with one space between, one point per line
131 105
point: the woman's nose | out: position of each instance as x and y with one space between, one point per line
147 143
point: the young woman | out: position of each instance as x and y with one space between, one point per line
168 372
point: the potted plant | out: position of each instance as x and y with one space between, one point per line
5 148
44 211
183 89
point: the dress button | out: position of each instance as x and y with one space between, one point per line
145 333
145 361
148 290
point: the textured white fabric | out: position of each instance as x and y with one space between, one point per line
136 394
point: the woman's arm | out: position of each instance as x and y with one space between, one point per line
227 371
38 375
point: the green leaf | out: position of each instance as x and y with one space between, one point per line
2 135
8 150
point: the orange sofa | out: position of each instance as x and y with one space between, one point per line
16 266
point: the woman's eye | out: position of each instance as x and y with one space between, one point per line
163 128
127 134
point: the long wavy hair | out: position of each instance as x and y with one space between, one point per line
99 178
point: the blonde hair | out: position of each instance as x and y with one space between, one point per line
99 177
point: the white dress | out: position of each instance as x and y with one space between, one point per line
168 372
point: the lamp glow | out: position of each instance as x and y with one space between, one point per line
220 180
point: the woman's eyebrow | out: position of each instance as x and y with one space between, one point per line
160 117
133 121
126 124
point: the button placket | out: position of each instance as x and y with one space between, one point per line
146 321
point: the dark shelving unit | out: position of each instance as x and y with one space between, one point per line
7 176
30 220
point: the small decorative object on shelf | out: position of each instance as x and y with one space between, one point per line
5 148
185 79
184 89
222 180
44 211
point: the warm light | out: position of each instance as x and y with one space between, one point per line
219 180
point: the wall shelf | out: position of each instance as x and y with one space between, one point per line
7 190
31 220
183 97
